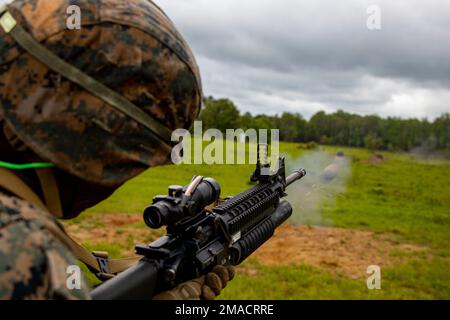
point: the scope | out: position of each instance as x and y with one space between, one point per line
181 202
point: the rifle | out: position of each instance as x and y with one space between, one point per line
198 238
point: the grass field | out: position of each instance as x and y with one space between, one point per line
403 200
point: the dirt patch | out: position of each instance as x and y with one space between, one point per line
125 230
114 219
338 250
375 158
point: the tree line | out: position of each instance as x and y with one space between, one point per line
338 128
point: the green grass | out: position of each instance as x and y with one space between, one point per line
138 192
407 199
292 282
399 196
416 280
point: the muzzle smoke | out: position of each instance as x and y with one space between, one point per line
326 179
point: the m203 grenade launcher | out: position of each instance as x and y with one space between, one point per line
203 232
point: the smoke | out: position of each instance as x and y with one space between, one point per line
326 179
428 155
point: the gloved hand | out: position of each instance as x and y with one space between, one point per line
206 287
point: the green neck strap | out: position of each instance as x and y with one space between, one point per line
35 165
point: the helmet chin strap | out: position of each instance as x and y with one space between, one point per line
11 182
50 190
98 262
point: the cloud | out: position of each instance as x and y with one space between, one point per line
305 56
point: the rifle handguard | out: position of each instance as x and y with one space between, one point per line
260 234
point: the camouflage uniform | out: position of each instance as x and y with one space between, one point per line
130 46
33 263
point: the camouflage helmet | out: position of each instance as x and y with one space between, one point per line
131 47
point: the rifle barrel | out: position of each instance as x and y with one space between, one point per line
297 175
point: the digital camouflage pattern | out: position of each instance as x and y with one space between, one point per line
33 263
129 45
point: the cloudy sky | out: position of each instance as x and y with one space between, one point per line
271 56
302 56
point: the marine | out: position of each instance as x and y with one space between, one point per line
81 112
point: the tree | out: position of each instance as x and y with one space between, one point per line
220 114
373 143
292 127
338 128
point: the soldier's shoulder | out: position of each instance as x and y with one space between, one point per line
33 263
13 209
